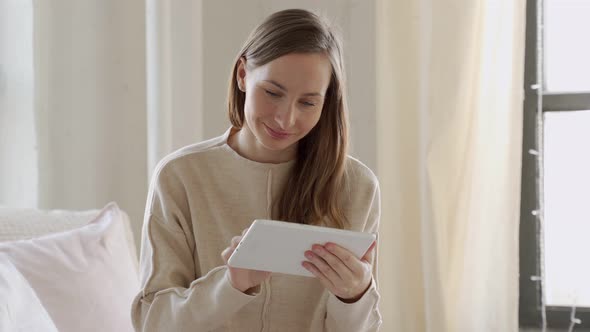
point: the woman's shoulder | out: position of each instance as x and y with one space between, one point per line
359 174
360 195
190 154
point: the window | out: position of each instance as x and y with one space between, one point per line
555 222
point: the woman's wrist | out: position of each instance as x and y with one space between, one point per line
358 297
244 289
252 290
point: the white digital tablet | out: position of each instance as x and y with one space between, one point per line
278 246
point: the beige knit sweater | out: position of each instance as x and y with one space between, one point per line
200 197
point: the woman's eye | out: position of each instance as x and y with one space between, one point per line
272 94
307 103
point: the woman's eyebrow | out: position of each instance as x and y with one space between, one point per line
278 85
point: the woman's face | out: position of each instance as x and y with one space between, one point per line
284 98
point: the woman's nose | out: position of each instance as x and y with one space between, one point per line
286 116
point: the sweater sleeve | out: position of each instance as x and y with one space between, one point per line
168 300
362 315
173 296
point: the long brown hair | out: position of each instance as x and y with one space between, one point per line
311 193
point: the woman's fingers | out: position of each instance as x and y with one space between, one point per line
226 253
347 258
320 275
368 256
324 267
339 270
333 261
235 241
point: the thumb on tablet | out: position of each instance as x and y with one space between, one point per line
369 254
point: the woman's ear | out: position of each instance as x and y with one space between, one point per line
241 74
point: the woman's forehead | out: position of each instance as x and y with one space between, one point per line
296 71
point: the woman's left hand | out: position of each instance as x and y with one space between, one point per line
340 271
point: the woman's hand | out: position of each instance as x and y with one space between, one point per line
340 271
244 280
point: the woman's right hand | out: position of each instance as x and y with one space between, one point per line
244 280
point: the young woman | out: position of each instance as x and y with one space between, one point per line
284 158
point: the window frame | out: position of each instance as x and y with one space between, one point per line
531 313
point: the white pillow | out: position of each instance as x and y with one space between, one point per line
23 223
85 277
20 309
27 223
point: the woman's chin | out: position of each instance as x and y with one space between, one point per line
276 145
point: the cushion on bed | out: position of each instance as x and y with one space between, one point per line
20 308
85 277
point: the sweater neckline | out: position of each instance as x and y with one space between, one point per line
257 164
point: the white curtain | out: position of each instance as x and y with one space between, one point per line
175 79
18 172
90 104
449 148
